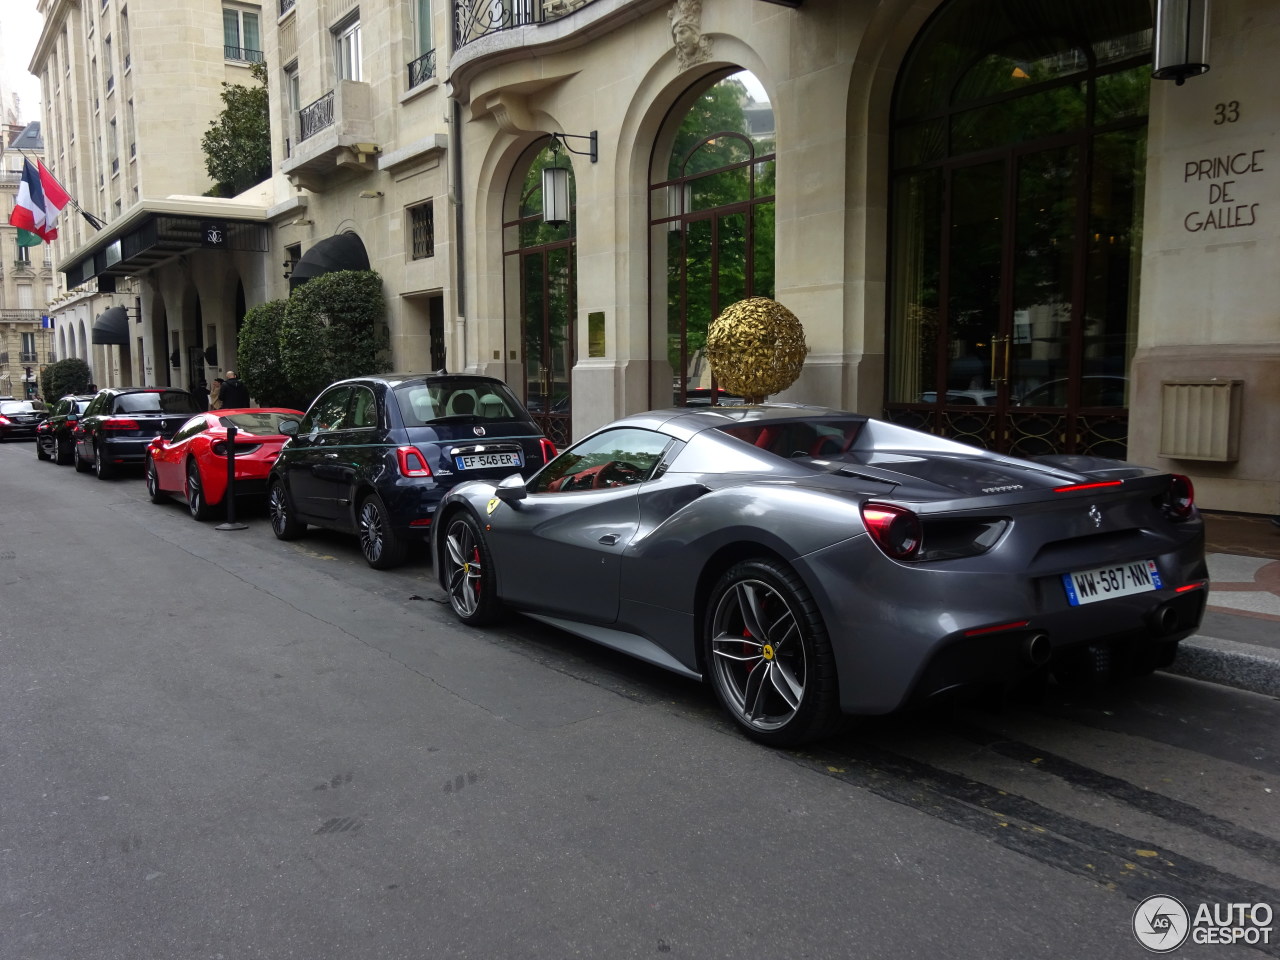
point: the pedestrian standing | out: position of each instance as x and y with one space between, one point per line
200 395
234 393
215 393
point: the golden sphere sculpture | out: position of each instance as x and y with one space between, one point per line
756 347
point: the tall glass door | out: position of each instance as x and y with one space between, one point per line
547 285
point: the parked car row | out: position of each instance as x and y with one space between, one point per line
808 563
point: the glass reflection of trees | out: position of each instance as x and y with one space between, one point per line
721 177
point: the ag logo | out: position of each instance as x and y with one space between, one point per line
1161 924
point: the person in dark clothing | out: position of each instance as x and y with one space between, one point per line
233 393
200 395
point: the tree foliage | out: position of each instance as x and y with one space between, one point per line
71 375
333 327
237 146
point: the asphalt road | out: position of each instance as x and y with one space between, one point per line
218 745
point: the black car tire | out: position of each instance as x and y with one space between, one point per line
283 518
197 505
82 465
41 452
61 456
101 469
154 492
469 571
382 547
769 657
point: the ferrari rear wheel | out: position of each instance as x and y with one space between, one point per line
280 508
381 546
153 483
468 571
196 502
769 656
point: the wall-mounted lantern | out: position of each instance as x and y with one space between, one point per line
1182 40
555 178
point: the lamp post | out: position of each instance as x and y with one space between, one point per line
1182 40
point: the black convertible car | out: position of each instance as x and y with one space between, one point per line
813 563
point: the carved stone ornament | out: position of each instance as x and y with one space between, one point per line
686 32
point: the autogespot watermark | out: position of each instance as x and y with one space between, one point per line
1162 924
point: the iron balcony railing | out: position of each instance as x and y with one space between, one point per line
243 54
314 117
422 69
473 19
27 357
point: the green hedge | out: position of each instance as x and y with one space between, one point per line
71 375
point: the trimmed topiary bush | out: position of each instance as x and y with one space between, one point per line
258 361
71 375
334 326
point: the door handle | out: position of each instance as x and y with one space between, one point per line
331 456
609 539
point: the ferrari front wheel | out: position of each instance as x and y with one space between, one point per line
769 656
154 492
468 571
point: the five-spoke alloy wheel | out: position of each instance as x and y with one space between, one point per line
468 571
197 504
153 483
768 655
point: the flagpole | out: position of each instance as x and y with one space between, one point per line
93 221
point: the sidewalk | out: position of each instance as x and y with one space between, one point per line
1239 640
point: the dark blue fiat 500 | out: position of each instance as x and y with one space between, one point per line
374 456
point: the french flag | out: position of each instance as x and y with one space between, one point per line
40 200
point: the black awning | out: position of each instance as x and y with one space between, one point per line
112 327
344 251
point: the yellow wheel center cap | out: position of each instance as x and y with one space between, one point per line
766 651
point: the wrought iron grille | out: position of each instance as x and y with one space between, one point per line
422 231
314 117
422 69
243 54
473 19
285 6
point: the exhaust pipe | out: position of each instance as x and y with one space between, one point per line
1037 649
1167 620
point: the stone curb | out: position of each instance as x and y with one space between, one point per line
1233 664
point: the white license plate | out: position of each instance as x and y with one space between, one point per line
1103 583
477 461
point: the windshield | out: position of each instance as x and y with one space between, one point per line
155 401
22 406
260 423
424 403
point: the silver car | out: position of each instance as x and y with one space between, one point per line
813 563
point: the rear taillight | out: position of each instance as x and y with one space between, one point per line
72 423
1180 498
412 462
895 530
549 451
4 421
119 423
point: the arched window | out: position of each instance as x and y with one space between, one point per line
1018 158
541 289
711 223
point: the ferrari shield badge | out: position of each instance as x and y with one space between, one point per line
493 504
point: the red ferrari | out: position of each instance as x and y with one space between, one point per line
193 464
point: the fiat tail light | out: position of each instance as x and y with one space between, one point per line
412 462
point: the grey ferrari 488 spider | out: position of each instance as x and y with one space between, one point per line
812 563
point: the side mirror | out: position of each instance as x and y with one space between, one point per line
511 489
289 428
